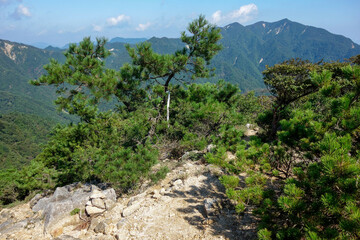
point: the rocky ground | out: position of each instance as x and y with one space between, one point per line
189 203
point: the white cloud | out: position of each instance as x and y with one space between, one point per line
118 20
216 17
143 27
242 15
97 28
21 11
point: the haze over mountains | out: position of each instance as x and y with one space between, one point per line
246 52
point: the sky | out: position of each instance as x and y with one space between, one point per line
58 22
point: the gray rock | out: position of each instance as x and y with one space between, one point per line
109 204
110 194
13 228
64 200
56 211
35 199
80 197
61 193
97 194
131 209
90 210
41 204
100 228
98 202
136 198
5 225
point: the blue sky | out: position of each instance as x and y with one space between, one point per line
59 22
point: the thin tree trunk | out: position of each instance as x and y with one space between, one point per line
168 109
166 88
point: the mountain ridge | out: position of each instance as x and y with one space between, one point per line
246 52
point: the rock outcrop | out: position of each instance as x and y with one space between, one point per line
190 203
56 209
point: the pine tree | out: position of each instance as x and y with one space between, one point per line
184 65
82 80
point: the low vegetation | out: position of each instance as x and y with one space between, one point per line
301 172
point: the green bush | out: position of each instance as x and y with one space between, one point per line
323 202
229 181
75 211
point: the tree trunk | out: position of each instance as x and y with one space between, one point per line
168 108
274 123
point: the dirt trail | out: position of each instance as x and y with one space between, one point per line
189 203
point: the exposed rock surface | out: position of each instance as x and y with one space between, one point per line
56 208
251 130
188 204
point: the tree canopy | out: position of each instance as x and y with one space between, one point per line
83 80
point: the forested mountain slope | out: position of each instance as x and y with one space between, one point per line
246 52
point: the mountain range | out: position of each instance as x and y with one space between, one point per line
246 52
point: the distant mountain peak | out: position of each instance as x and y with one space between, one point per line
284 20
233 25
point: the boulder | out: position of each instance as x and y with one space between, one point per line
131 209
98 202
57 207
41 204
110 194
97 194
56 211
35 199
109 204
61 193
91 210
100 228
